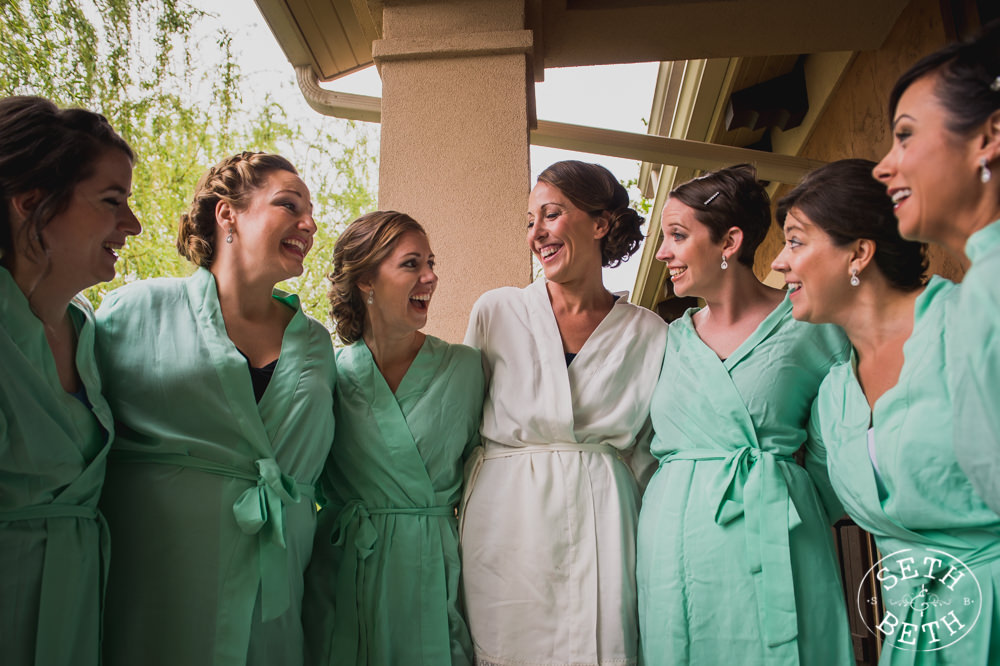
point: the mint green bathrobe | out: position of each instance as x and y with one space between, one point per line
53 450
209 494
736 563
919 499
383 585
976 360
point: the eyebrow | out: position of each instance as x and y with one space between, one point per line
900 117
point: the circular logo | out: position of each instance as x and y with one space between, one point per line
931 599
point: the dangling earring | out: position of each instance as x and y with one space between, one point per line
855 280
229 238
725 264
984 171
371 297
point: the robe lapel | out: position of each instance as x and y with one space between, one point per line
396 435
706 373
552 378
274 405
229 364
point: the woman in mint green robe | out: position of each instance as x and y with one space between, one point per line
884 417
209 493
58 226
953 97
736 563
383 585
917 500
735 558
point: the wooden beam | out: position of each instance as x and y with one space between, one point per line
664 150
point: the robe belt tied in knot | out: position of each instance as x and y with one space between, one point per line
259 510
354 530
751 484
59 575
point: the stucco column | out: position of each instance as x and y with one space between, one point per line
454 146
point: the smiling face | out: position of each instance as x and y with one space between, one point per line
275 232
83 240
816 271
565 239
403 285
692 257
930 173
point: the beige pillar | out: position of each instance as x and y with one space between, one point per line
454 146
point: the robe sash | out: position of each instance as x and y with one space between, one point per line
60 572
258 510
493 451
751 484
355 530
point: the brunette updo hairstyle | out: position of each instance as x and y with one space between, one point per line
729 197
359 251
50 150
594 190
966 83
232 180
843 199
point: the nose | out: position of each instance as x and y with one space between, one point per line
428 276
129 223
780 263
664 253
882 171
308 224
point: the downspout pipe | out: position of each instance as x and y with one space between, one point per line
337 104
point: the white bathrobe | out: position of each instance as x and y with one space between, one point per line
552 500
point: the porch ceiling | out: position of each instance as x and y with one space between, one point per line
334 37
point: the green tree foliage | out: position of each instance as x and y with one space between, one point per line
176 98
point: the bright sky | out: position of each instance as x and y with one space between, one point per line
614 97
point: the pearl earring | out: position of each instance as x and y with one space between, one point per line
855 280
984 171
229 238
371 297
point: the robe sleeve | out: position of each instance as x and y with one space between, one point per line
476 387
974 366
642 463
815 464
475 335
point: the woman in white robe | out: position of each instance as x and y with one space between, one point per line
552 496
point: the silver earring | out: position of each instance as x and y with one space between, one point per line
984 171
229 238
725 264
855 280
371 297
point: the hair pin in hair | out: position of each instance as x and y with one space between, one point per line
711 198
995 85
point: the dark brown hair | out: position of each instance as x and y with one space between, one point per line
594 190
966 74
843 199
730 197
359 251
232 180
51 150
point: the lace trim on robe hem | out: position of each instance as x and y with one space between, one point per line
494 661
